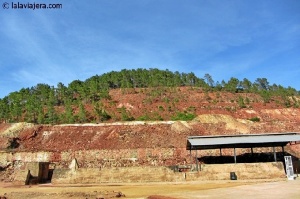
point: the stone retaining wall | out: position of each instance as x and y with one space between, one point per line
115 175
163 174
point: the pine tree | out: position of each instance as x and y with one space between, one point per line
69 117
82 113
51 113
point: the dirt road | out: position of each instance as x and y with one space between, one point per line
191 190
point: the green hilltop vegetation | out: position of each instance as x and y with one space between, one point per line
45 104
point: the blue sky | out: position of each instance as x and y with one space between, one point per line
224 38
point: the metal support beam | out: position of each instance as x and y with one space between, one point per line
197 167
275 159
252 151
221 152
234 155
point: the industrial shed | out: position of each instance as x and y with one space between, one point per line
242 141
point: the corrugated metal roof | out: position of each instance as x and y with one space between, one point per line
241 141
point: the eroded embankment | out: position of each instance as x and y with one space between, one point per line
123 145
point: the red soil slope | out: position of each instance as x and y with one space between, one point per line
218 113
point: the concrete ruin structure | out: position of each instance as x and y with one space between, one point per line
33 173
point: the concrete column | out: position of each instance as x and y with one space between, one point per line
275 159
234 155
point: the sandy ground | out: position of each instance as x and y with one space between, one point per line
191 190
261 190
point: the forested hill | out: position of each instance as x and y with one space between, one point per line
91 100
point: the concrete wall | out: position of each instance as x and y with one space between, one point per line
243 171
116 175
134 165
164 174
